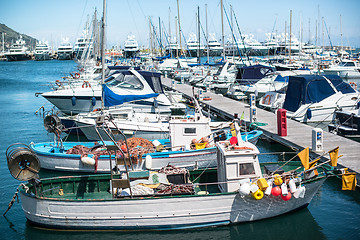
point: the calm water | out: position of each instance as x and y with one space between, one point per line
333 214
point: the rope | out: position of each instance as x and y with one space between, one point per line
14 197
257 124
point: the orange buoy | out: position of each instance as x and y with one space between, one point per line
124 148
286 197
276 191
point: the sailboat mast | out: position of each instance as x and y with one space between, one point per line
290 34
178 9
207 36
222 27
198 34
103 52
341 34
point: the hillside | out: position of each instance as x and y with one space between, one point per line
12 36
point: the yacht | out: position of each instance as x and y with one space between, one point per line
129 84
131 48
84 46
233 47
65 50
215 48
18 51
42 51
194 46
254 48
173 48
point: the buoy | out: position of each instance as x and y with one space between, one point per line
124 148
286 197
258 194
244 189
93 101
292 185
300 192
88 161
148 162
268 189
233 140
254 187
277 180
276 191
262 183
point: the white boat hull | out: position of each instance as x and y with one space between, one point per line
160 213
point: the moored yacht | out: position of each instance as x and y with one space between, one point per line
193 46
18 51
215 48
42 51
131 48
65 50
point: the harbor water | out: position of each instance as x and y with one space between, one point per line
332 214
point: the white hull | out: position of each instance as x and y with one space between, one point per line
161 213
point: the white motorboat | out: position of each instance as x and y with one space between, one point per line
18 51
42 51
347 70
65 50
314 98
127 83
131 47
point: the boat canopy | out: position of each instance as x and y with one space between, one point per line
112 99
307 89
253 72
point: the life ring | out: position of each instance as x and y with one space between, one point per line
353 85
216 78
98 64
196 74
77 75
258 194
176 72
58 83
266 97
82 70
86 84
207 98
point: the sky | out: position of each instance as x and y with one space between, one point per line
52 20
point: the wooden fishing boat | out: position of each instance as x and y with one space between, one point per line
172 198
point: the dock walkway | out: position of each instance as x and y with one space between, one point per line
299 135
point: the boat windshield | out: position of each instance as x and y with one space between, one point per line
347 64
125 81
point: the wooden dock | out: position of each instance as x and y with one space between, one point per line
299 135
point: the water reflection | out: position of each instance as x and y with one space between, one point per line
297 225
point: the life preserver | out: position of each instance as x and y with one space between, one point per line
353 85
207 98
176 72
215 78
86 84
82 70
196 74
58 83
77 75
98 64
266 97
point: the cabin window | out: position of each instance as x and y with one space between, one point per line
189 131
246 169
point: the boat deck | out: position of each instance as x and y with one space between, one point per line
299 135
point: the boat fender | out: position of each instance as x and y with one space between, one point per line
258 194
300 192
254 187
284 190
286 197
277 180
262 183
244 189
73 100
156 143
292 185
88 161
93 101
148 162
269 188
308 113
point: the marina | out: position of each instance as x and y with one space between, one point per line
189 134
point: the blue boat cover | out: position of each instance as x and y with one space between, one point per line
122 67
306 89
112 99
253 72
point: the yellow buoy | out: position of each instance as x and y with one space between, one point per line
258 194
277 180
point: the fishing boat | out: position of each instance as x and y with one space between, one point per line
190 145
314 98
239 190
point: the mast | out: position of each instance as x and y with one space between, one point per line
177 38
207 35
160 37
170 49
179 25
103 52
198 34
290 35
341 35
285 36
222 27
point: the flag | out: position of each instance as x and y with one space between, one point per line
242 117
348 181
313 163
334 156
304 157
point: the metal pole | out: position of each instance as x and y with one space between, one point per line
222 28
290 35
198 34
179 23
103 53
207 36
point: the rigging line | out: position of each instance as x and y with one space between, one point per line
237 46
328 34
137 30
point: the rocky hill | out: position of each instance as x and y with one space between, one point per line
11 36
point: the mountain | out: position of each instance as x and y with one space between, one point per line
11 36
